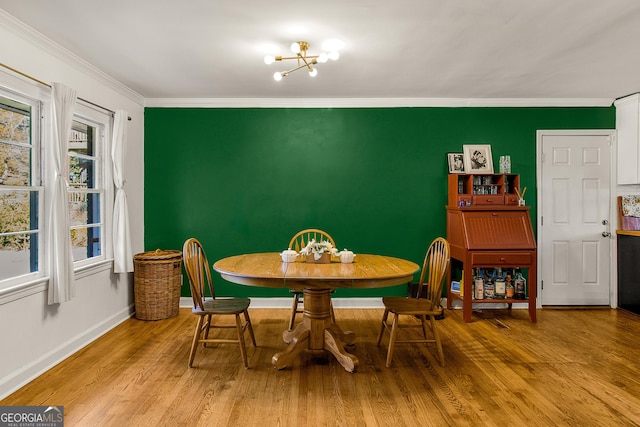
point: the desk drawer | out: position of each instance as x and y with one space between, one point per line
488 199
501 258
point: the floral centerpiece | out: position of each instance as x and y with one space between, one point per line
319 252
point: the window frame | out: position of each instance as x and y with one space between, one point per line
36 185
102 121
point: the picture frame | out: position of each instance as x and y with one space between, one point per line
456 162
477 158
455 287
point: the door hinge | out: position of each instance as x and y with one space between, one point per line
541 220
542 284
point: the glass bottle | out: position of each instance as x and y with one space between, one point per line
478 285
489 286
520 285
509 290
501 285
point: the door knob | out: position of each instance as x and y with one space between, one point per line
606 234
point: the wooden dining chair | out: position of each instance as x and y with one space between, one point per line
423 305
208 309
297 242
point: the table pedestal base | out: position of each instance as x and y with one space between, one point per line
317 332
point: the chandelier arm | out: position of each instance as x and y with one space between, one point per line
282 58
296 69
308 63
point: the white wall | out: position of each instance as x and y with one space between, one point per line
36 336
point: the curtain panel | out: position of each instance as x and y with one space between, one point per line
61 281
122 256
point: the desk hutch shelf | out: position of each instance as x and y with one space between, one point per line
487 229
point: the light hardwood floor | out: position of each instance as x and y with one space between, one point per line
573 368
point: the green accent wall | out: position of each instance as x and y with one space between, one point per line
245 180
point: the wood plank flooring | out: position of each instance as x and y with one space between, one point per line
572 368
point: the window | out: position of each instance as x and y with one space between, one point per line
26 180
87 189
20 188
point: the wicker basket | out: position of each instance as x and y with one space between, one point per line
157 278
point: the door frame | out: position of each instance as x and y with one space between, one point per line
613 214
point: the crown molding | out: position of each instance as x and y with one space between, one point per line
66 56
373 102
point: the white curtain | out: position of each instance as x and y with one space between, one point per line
61 282
122 256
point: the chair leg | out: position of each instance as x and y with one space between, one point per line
243 349
206 327
250 327
333 315
423 321
196 339
294 310
382 326
436 337
392 339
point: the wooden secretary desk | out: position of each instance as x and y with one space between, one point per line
487 229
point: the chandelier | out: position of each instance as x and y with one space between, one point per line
304 60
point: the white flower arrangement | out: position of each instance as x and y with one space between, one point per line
318 249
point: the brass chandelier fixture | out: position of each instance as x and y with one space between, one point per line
304 59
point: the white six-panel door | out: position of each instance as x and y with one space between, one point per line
574 205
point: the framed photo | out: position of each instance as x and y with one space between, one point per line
456 162
455 287
477 159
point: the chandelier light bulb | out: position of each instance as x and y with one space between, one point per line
313 72
295 47
269 59
334 55
277 76
323 57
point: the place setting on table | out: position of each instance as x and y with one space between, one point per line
313 266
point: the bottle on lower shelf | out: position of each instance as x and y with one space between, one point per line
501 285
509 289
478 285
520 285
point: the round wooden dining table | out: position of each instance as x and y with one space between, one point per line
317 331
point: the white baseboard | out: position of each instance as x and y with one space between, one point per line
285 302
375 302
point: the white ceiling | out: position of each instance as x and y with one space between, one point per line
470 49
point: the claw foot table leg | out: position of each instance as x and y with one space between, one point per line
336 347
299 342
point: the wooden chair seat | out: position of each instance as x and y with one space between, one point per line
223 306
411 306
434 270
208 309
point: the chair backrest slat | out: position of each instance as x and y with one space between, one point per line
434 270
198 271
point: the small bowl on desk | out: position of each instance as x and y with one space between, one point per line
289 255
346 257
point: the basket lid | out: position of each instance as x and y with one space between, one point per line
157 255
